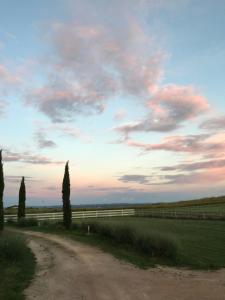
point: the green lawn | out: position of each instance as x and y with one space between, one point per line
17 266
201 244
214 208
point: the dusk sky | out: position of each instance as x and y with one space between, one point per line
131 92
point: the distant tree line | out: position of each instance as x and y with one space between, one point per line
67 214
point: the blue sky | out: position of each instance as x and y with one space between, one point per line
130 92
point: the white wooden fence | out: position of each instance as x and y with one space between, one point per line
123 212
78 214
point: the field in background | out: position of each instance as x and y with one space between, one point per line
200 243
203 209
213 204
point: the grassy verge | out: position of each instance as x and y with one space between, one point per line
198 244
17 266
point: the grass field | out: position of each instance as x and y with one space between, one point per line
209 208
17 266
200 244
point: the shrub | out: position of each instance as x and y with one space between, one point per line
156 244
17 265
150 243
123 234
12 247
11 221
27 222
45 223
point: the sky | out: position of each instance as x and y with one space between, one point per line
131 92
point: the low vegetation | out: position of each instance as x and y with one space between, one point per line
153 243
23 222
17 266
147 242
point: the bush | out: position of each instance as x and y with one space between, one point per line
156 244
12 248
11 221
27 222
123 234
17 265
150 243
45 223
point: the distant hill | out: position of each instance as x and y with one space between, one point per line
187 203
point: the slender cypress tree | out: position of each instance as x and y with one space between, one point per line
2 185
22 200
67 215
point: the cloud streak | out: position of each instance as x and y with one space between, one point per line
210 164
28 158
134 178
43 141
199 144
169 107
217 123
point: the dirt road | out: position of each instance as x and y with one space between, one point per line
68 270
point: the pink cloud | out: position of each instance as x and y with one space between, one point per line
101 53
181 102
28 158
202 144
198 178
65 131
193 166
169 106
217 123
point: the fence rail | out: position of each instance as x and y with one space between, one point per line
126 212
77 214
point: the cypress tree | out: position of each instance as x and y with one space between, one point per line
22 200
67 215
2 185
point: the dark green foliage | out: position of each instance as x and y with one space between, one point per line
2 185
22 222
12 247
67 215
151 243
11 221
17 266
22 200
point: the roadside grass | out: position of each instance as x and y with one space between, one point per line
153 243
17 265
199 244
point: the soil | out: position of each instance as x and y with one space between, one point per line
68 270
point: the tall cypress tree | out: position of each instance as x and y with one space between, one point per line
2 185
22 200
67 215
